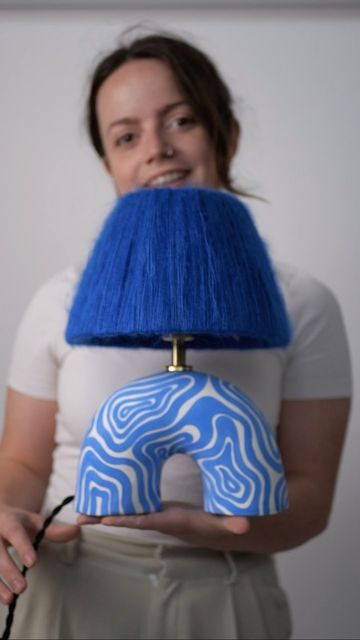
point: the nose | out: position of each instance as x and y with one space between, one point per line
156 146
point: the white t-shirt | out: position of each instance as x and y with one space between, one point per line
43 365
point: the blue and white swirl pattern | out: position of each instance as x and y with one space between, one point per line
141 425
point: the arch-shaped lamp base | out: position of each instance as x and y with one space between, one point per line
144 423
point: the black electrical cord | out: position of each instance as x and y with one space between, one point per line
39 536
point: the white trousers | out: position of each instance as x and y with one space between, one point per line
102 587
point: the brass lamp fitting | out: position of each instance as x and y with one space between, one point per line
178 360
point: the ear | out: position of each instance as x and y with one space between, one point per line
234 138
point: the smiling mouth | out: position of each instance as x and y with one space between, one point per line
167 178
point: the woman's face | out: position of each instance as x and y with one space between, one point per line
150 133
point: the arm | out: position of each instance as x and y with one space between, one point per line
26 450
311 435
25 465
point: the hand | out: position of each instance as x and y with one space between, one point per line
182 521
18 529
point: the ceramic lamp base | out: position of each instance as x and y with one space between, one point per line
144 423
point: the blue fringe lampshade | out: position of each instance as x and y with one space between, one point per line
179 262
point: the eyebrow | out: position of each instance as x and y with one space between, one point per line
163 112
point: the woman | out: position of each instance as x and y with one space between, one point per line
159 114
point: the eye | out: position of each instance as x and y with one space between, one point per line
184 120
181 121
124 139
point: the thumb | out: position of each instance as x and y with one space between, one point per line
62 532
237 524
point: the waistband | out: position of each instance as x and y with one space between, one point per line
183 562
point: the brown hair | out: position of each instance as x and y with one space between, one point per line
198 79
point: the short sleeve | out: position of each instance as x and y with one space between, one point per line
319 364
39 340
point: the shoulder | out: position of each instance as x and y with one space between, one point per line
39 341
48 307
319 363
305 295
59 286
298 284
54 296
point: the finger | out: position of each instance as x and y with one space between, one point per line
237 524
10 573
175 520
6 595
82 519
62 533
20 536
132 522
180 521
213 524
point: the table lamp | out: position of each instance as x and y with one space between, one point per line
170 268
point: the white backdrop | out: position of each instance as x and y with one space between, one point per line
295 78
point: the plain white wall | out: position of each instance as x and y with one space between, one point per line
295 77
